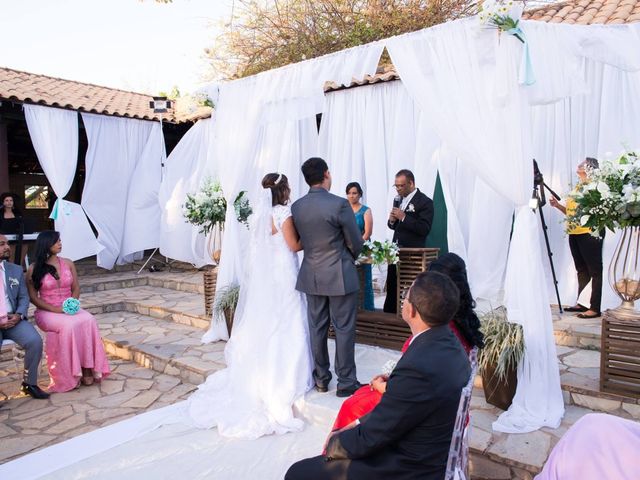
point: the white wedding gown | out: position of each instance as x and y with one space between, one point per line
268 357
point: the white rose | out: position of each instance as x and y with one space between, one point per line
603 188
584 219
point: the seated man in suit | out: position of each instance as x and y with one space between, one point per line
410 219
407 436
14 304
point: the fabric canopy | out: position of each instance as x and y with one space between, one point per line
54 134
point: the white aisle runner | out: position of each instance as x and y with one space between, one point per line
137 448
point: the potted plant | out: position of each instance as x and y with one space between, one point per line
499 358
226 303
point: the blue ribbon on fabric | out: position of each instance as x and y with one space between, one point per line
55 211
526 74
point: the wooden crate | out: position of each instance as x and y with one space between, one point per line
412 262
620 354
381 329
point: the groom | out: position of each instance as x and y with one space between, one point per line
331 242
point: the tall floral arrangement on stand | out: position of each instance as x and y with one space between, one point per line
610 200
379 253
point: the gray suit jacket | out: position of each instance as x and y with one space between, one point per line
18 295
331 241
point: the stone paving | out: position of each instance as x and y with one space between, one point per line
27 425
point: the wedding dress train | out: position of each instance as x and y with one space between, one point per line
268 356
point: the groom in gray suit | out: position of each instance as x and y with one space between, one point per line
14 304
331 242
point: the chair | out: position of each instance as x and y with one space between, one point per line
458 461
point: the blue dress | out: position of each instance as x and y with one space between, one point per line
366 268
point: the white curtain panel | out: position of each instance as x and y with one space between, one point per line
142 216
116 145
183 174
54 134
245 108
452 71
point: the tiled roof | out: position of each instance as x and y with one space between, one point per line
27 87
584 12
587 12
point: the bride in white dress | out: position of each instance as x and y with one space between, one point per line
268 357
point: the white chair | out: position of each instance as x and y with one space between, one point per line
458 462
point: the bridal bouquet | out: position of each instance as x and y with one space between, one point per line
71 306
379 253
208 207
611 196
503 15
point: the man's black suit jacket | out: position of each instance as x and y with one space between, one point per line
407 436
413 230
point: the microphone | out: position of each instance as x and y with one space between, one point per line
397 201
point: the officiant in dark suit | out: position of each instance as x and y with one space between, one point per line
408 434
411 218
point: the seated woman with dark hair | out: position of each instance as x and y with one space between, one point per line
465 325
11 223
73 345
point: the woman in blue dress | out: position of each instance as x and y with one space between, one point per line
364 219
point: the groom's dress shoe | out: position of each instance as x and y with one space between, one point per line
34 390
347 392
322 388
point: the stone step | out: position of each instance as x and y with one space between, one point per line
166 347
89 267
571 331
180 281
158 302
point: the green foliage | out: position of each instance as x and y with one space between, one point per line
379 253
503 343
227 300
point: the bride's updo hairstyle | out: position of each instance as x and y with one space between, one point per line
279 185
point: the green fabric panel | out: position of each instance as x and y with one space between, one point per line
438 235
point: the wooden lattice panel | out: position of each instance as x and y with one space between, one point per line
381 329
620 354
210 278
413 261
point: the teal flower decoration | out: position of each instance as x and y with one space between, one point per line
71 306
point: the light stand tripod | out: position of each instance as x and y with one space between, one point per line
539 200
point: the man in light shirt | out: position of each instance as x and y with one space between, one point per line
14 305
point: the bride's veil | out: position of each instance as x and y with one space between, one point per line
256 296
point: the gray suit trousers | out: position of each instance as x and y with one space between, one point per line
341 311
26 336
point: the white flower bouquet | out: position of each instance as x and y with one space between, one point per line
501 14
611 196
388 367
379 253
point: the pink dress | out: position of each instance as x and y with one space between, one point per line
72 341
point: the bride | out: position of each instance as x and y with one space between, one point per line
268 357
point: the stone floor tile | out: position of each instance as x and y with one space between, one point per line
44 420
15 446
143 399
81 394
100 415
111 401
139 384
481 468
70 423
582 359
109 387
6 430
633 410
164 383
593 403
531 449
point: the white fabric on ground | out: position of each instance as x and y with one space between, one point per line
54 135
137 448
184 172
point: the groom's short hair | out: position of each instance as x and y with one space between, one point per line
435 297
313 170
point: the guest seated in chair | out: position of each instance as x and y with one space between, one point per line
73 345
408 434
14 303
465 325
596 447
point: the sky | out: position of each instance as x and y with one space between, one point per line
136 45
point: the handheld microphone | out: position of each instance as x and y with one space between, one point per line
397 201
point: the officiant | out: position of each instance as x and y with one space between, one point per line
410 218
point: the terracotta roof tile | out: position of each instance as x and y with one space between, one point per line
587 12
84 97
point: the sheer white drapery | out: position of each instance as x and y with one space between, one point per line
116 147
54 134
183 174
244 112
452 71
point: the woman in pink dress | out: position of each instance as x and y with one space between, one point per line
73 345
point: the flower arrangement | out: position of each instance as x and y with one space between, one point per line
501 14
611 197
71 306
208 207
379 253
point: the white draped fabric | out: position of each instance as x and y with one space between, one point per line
183 174
249 113
487 128
54 135
124 219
